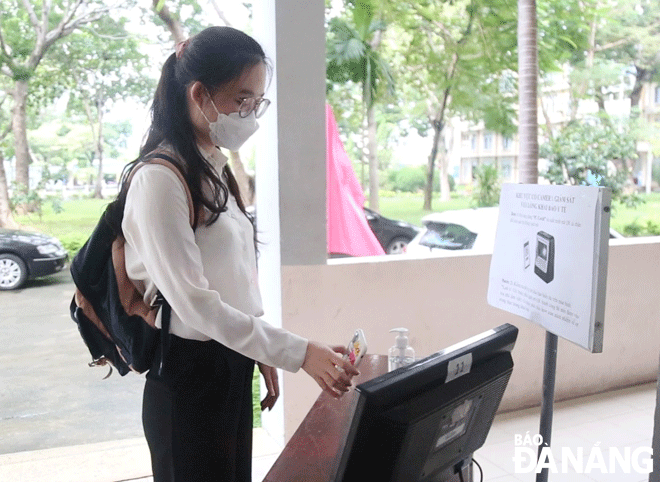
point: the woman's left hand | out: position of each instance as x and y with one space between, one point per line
272 385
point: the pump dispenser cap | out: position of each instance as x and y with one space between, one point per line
401 338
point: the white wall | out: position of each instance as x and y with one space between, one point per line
443 301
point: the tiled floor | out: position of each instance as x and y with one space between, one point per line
621 419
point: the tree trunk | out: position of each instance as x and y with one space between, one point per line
641 77
19 129
589 64
430 167
173 24
6 218
548 121
220 13
528 84
600 100
445 195
373 159
438 123
242 178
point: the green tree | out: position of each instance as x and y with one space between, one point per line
631 39
591 153
623 40
28 31
623 59
63 147
452 54
6 218
106 66
351 124
353 55
461 59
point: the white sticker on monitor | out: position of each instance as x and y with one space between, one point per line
458 367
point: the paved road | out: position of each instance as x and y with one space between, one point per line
49 397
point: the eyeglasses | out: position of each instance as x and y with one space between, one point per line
253 104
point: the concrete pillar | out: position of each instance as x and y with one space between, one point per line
291 161
290 165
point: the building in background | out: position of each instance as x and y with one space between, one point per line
471 145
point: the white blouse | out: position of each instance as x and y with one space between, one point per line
209 276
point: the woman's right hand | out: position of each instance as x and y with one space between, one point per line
326 366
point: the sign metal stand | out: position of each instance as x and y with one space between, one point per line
547 407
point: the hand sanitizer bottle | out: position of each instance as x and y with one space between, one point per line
401 354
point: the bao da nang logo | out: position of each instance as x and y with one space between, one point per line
581 460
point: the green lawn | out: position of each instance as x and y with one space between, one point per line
72 225
78 217
642 214
408 206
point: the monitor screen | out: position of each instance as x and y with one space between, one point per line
422 422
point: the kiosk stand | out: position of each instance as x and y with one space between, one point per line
311 453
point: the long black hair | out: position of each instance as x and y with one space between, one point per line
215 57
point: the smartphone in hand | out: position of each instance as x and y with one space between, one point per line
356 348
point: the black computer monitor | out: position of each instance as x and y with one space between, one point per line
421 423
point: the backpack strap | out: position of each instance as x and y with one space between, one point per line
130 297
160 158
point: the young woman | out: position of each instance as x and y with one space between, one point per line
197 415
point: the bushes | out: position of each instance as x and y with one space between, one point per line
407 179
452 184
487 190
72 242
651 228
413 179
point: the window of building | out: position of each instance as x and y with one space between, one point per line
473 142
507 143
657 94
506 170
488 141
465 140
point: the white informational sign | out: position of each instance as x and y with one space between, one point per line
549 263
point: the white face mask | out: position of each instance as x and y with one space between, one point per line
231 131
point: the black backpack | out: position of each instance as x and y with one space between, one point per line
118 327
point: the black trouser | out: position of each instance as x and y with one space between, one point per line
197 417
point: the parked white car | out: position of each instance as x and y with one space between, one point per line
461 230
